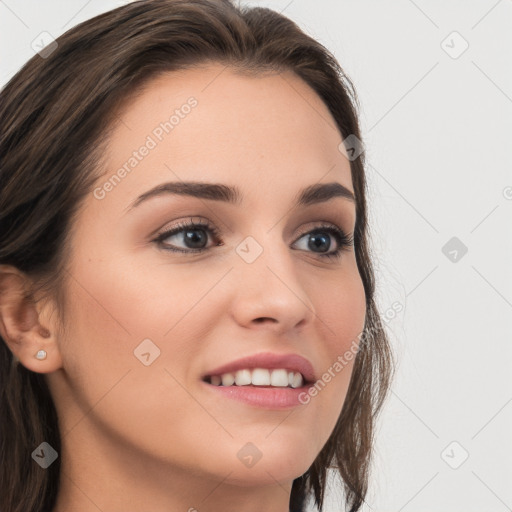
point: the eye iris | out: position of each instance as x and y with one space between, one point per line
192 237
318 239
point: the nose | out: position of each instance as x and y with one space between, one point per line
270 292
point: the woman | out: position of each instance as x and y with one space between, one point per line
187 295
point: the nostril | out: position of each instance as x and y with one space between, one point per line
262 319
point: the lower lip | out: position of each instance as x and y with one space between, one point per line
261 396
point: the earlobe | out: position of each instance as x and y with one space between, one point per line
31 343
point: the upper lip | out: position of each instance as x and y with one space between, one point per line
269 360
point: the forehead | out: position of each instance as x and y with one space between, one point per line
214 124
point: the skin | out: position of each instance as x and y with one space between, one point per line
139 437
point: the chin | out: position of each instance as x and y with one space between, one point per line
273 465
265 474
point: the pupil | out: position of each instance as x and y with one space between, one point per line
192 237
316 241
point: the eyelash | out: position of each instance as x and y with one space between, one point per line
343 240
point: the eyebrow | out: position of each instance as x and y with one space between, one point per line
313 194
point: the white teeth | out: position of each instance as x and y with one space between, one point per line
297 381
227 379
279 378
259 377
242 377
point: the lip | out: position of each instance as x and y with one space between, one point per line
271 361
264 397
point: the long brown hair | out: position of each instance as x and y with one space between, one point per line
55 113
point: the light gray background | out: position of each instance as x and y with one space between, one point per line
437 128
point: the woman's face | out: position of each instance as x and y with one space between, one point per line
147 324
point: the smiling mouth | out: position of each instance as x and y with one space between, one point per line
259 377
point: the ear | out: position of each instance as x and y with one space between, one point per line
24 324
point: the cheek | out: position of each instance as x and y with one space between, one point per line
121 320
112 309
341 311
121 309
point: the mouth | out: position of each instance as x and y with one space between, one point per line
260 394
259 378
266 380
